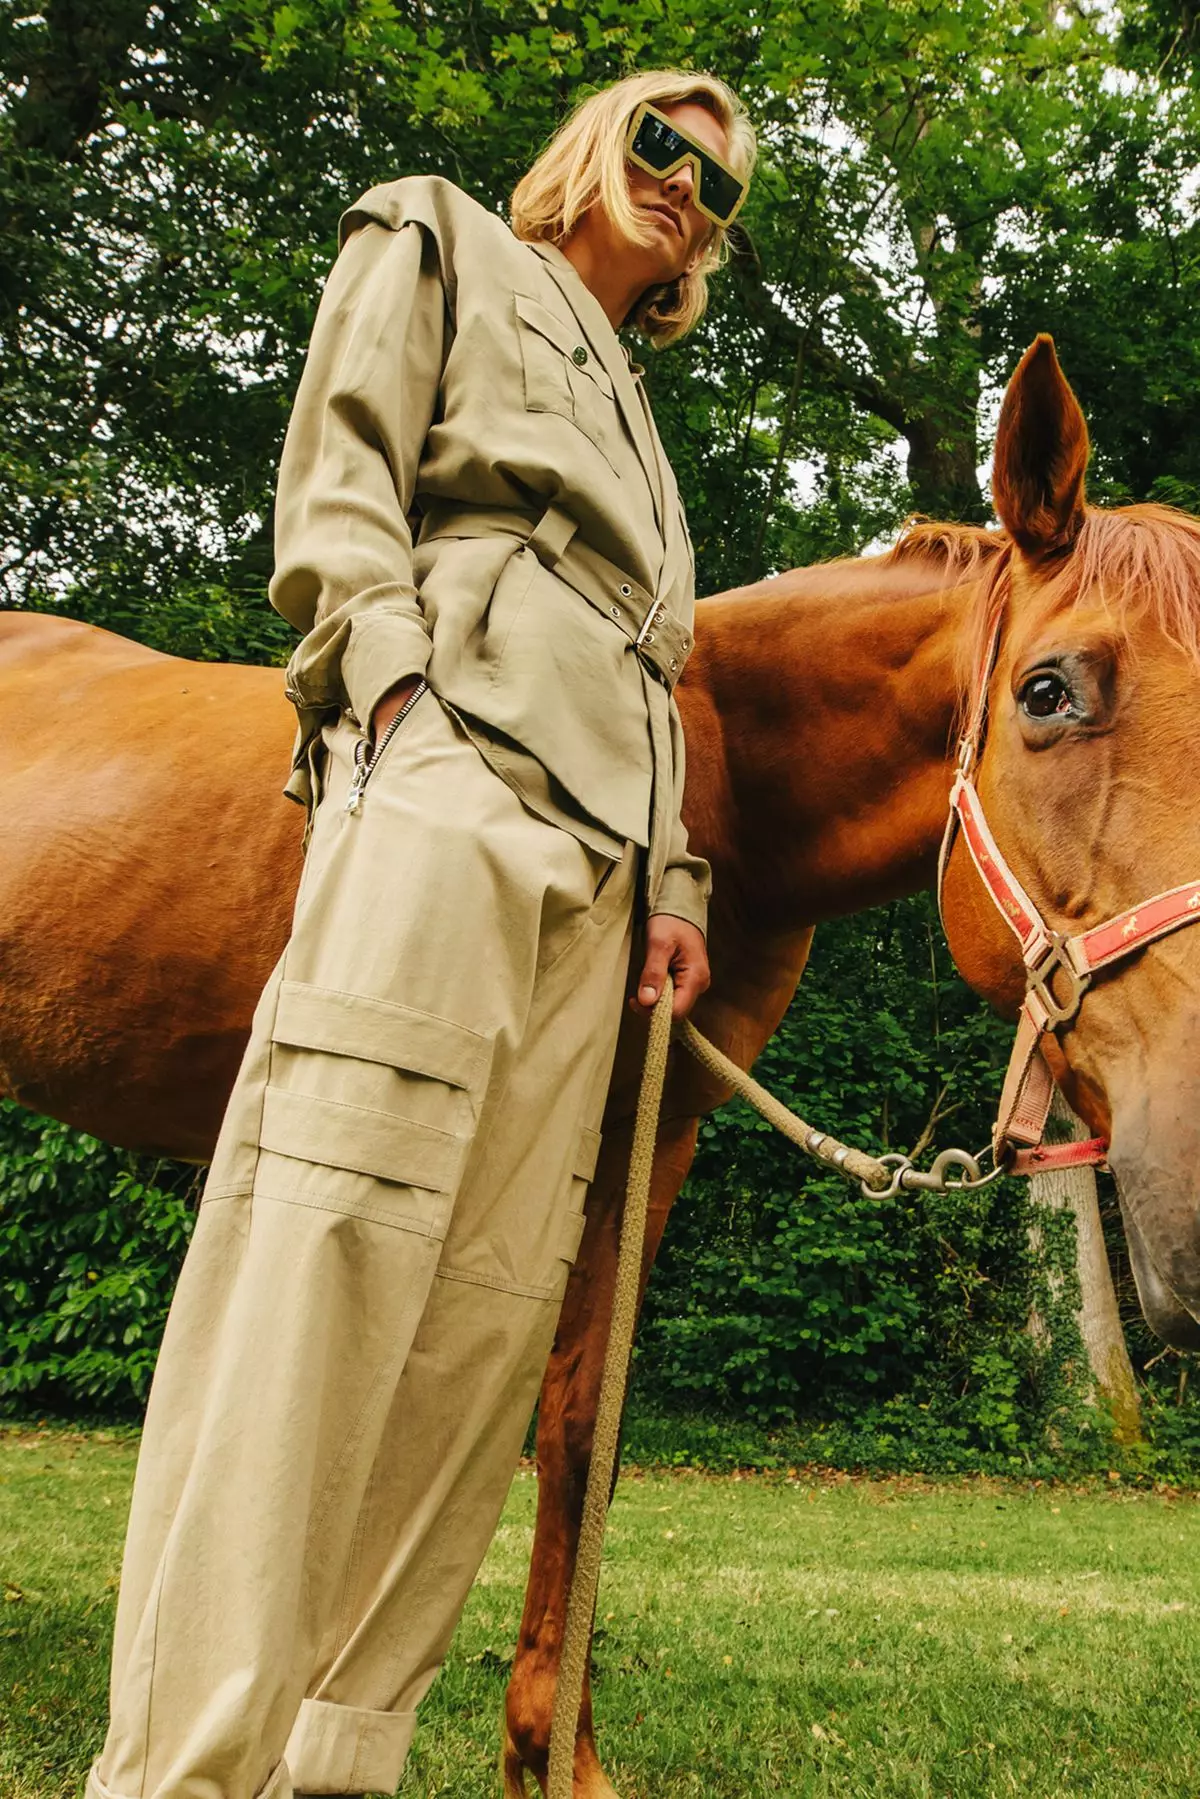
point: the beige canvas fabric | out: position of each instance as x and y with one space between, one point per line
365 1314
469 382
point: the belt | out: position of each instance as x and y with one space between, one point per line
661 640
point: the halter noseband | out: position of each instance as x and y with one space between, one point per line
1017 1136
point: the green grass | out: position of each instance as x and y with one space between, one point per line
759 1636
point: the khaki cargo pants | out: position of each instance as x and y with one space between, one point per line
365 1313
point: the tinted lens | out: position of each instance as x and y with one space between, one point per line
662 148
658 144
719 192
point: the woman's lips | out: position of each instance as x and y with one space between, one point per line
672 218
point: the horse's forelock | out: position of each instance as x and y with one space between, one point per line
1137 561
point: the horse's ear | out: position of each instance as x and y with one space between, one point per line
1041 454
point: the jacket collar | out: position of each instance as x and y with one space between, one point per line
604 341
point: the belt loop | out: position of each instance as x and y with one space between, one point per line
550 536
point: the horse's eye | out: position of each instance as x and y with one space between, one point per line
1045 696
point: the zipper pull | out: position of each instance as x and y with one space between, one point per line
362 768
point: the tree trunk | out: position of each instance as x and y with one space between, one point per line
942 458
1074 1190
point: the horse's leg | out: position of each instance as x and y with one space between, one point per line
566 1421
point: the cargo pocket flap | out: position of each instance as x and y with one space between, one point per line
377 1030
571 1236
388 1147
556 331
587 1155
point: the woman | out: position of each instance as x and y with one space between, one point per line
480 535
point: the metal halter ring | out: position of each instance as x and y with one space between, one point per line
1056 958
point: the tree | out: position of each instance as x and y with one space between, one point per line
1073 1190
172 180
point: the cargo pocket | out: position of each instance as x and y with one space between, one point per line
563 373
369 1107
586 1156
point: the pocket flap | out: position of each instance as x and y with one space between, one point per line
571 1236
376 1030
380 1144
587 1155
557 331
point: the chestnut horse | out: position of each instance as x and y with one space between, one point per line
150 865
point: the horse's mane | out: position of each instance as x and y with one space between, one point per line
960 551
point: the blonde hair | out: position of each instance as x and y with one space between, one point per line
584 162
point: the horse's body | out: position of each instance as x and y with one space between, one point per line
150 864
150 860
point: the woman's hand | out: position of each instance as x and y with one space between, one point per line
387 708
675 947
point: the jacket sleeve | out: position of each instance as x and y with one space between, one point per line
343 548
687 880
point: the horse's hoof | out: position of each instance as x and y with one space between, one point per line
593 1783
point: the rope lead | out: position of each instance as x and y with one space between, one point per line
882 1179
581 1607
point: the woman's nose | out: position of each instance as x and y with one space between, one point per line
681 183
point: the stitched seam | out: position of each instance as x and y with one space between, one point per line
353 1559
519 605
345 993
348 1105
496 1286
239 1190
359 1742
418 1227
159 1585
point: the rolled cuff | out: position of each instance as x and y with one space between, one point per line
338 1749
278 1785
683 895
384 647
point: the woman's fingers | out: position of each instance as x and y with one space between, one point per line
674 946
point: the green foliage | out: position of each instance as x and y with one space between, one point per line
91 1243
938 182
782 1293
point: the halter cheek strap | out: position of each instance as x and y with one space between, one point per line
1058 968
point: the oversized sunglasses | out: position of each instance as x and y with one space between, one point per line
659 147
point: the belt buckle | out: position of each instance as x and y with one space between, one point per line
650 620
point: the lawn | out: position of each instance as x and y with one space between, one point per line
759 1636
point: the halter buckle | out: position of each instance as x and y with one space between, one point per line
1056 958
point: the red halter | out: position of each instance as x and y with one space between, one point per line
1029 1086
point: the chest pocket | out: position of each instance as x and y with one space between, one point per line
563 374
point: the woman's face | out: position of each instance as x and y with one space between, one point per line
680 232
670 200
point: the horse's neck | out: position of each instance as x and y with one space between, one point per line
829 699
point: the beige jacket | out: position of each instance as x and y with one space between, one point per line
469 388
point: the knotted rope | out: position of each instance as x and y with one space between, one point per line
581 1606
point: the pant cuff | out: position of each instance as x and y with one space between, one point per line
278 1785
337 1749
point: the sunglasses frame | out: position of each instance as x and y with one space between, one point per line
696 154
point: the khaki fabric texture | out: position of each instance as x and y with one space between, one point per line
366 1310
454 368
